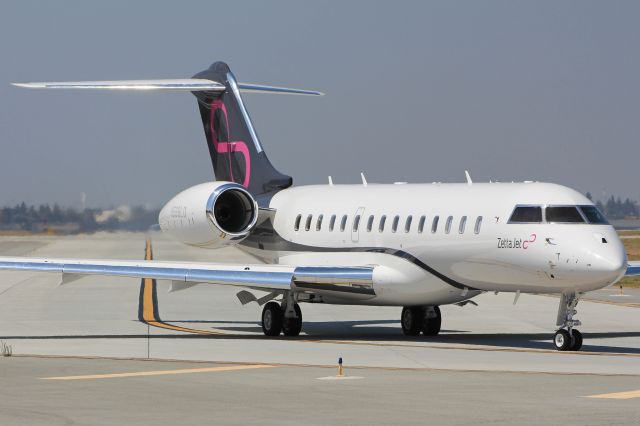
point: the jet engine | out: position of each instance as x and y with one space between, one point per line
210 215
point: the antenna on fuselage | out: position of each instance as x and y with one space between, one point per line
330 181
364 180
469 181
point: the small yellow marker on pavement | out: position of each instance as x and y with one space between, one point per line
340 375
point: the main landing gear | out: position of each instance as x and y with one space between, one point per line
425 319
285 317
567 338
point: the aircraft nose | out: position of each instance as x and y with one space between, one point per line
611 264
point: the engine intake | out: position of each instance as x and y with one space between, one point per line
232 210
210 215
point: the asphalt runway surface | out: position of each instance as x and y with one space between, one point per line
210 362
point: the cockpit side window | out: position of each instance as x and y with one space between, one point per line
593 215
526 214
563 214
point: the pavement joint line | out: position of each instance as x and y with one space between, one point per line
161 372
328 366
617 395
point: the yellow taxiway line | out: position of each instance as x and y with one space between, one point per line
150 306
617 395
162 372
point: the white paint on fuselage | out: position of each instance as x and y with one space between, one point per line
557 257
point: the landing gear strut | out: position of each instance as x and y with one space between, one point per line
567 338
285 318
415 319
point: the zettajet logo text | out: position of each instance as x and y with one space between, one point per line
516 243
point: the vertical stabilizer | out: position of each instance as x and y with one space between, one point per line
236 152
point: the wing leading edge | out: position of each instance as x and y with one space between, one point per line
356 279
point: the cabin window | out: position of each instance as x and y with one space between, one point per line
319 223
565 214
434 224
394 225
370 223
356 223
463 223
447 226
332 222
407 224
593 215
526 214
383 219
307 225
297 225
343 223
476 229
421 224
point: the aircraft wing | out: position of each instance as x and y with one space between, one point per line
633 269
316 279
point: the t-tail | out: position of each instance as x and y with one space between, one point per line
235 149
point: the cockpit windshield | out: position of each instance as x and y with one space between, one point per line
557 214
526 214
564 214
593 215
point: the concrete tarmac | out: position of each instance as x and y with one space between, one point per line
84 391
493 362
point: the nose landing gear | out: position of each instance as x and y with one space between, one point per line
567 338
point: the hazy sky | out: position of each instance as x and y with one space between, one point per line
416 91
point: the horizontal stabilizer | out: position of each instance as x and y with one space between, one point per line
258 88
184 85
174 85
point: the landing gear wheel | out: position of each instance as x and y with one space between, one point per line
431 326
568 338
292 326
411 320
272 319
576 340
562 340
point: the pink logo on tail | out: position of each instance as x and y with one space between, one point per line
230 146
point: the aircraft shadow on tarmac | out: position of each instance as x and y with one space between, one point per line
364 331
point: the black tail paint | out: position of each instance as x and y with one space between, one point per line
236 152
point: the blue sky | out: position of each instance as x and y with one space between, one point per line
416 91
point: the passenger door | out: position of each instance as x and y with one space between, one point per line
356 225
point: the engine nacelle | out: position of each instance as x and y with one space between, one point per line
210 215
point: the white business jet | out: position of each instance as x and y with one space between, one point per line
412 245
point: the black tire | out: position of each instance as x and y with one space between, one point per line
431 326
562 340
292 326
411 320
272 319
576 340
